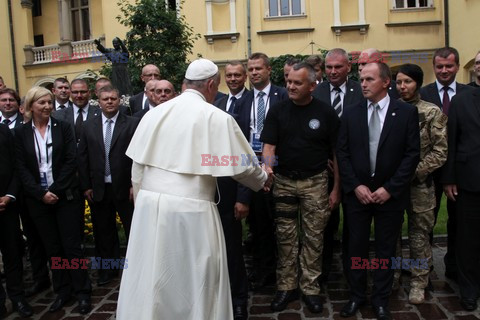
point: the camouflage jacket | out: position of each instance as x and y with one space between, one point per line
433 139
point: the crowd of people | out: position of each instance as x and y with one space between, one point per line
378 148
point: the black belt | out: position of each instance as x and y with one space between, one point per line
297 174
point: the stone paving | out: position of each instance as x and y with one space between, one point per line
442 303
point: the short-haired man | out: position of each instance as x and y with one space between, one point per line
101 83
338 92
378 150
476 70
250 112
81 110
105 175
235 77
372 55
140 100
288 66
461 176
61 91
158 92
9 104
234 201
446 63
301 133
317 63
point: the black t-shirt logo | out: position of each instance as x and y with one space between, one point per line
314 124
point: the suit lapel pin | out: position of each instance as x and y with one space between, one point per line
393 114
351 89
275 93
54 124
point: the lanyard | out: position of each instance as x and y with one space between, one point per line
47 145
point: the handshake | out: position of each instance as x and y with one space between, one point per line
270 176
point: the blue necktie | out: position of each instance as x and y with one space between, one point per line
260 111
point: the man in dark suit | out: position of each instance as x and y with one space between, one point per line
10 228
378 151
81 110
446 62
158 92
234 201
250 112
338 92
61 91
105 175
140 100
460 177
9 104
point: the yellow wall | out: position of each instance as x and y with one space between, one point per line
43 24
6 68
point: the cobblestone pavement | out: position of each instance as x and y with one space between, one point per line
442 303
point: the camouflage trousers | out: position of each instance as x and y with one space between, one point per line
421 220
301 211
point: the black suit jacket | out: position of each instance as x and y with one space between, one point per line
230 190
91 157
9 183
429 93
66 115
353 93
462 166
64 164
243 106
140 113
397 156
136 103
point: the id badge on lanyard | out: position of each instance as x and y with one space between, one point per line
255 142
43 180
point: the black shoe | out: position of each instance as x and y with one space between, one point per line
84 306
382 313
468 304
350 309
282 299
240 312
105 278
263 280
59 303
314 303
23 308
37 288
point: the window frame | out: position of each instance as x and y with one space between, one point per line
80 8
279 9
417 5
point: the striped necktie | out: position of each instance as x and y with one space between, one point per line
260 111
337 101
108 141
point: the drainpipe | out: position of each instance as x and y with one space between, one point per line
447 23
249 35
12 40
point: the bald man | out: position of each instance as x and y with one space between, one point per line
158 92
139 101
374 55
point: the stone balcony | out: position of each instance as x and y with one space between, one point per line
66 51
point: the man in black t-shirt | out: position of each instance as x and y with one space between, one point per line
299 135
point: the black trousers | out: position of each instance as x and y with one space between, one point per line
11 254
107 245
262 227
387 227
468 243
450 257
58 226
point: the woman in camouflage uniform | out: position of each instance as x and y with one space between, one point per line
433 154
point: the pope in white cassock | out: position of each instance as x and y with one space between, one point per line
176 259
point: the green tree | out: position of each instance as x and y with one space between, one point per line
156 36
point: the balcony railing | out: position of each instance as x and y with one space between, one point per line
67 51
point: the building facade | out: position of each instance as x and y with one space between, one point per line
46 39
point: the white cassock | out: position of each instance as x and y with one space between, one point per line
176 258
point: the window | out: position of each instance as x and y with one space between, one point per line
172 4
80 19
37 8
280 8
405 4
